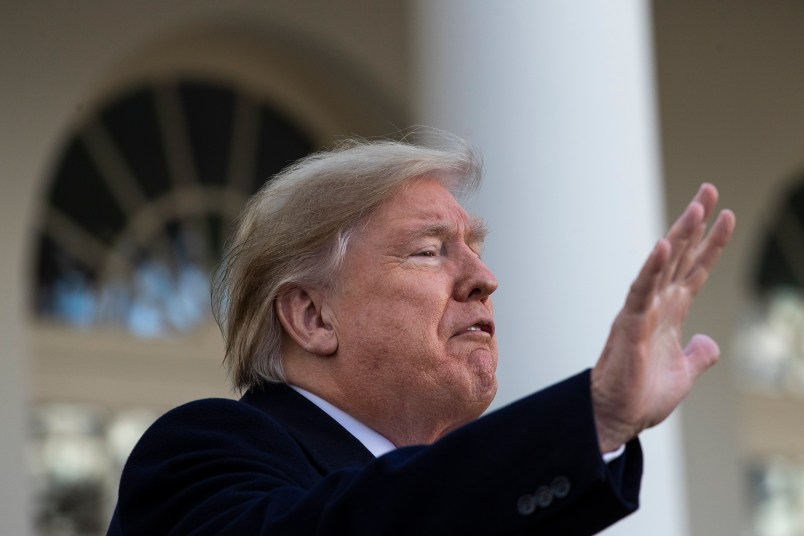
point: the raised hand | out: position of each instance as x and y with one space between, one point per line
644 371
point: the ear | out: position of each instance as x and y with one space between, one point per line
301 314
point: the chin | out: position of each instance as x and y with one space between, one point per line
485 389
486 382
488 395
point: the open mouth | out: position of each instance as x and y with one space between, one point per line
483 327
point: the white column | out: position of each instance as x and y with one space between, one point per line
559 98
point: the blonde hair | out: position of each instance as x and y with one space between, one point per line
295 231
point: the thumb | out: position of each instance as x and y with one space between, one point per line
702 352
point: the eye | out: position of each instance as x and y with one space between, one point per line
425 253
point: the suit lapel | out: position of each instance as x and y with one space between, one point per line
329 445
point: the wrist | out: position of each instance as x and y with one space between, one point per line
613 431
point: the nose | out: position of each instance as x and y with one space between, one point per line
476 281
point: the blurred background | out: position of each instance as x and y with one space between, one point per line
132 133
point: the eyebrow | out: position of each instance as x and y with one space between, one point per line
476 231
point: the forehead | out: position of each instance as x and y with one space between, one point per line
422 202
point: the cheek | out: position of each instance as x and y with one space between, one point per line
409 310
390 326
397 314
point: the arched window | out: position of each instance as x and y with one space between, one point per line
142 199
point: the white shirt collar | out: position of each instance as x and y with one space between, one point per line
376 443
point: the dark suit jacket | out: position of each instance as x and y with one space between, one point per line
274 463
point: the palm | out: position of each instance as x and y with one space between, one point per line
644 371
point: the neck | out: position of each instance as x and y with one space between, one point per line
401 426
391 411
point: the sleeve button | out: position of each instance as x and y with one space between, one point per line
526 505
560 487
544 496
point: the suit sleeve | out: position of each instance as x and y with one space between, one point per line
533 467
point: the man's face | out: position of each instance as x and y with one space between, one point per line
413 314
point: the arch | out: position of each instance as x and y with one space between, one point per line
322 91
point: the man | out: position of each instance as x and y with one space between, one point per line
358 321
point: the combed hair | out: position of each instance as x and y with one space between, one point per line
295 232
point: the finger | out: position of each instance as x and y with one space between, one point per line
644 286
710 250
687 256
707 196
702 352
687 231
680 235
